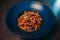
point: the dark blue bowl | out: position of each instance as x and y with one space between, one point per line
48 23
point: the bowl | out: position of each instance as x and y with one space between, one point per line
49 19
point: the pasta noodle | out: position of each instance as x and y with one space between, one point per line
30 21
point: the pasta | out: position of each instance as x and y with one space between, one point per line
30 21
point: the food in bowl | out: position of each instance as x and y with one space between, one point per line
30 21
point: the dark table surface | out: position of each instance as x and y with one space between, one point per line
5 33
